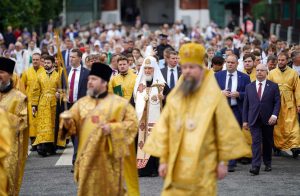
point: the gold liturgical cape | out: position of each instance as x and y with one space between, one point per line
29 79
99 163
5 147
18 83
43 96
192 136
123 86
286 132
15 104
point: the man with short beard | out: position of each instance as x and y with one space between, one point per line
286 131
15 104
29 78
190 137
106 126
149 95
44 107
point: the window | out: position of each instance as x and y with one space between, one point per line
286 10
298 10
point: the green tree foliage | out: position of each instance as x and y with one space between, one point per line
28 13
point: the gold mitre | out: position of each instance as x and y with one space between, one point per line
192 53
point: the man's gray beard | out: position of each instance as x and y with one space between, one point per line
92 92
3 86
188 86
148 78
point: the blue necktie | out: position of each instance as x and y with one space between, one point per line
172 79
229 86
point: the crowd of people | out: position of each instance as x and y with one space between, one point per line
165 100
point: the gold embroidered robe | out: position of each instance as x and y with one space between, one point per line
18 83
286 132
99 163
15 104
29 79
5 147
192 136
126 85
43 96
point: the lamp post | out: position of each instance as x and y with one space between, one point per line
241 13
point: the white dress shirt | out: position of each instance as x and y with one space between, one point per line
234 79
76 81
297 69
175 72
262 86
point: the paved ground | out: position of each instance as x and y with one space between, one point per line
51 176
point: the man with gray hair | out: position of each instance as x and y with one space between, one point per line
260 111
149 95
296 61
21 55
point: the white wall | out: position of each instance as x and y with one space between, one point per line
110 16
113 16
192 17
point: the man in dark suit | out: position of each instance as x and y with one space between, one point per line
233 84
172 71
77 85
260 112
229 45
66 53
162 46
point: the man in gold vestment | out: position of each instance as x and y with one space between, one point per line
5 147
29 78
123 85
197 132
44 106
286 132
15 104
106 125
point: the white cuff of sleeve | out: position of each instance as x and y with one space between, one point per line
274 116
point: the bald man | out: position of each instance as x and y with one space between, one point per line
264 98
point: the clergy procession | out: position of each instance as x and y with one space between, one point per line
131 104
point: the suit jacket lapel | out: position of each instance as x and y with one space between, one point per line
165 73
239 81
80 77
223 78
65 79
179 72
254 91
266 90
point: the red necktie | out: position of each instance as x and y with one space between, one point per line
71 90
259 90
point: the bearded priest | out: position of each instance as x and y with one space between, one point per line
149 96
106 126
